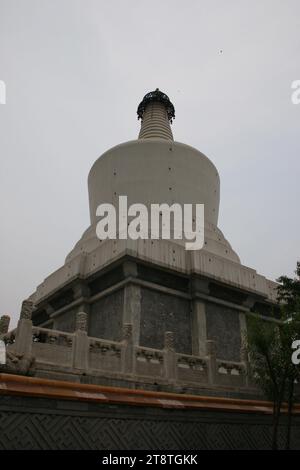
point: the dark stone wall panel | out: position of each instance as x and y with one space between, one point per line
223 326
105 318
163 312
65 322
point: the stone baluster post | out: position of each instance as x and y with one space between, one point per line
245 359
212 361
81 342
244 352
170 356
132 301
4 324
128 361
23 343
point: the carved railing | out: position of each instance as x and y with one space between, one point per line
48 336
186 361
104 354
81 353
230 373
144 354
230 368
104 346
191 368
52 346
148 361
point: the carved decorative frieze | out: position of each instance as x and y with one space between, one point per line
127 331
81 321
169 341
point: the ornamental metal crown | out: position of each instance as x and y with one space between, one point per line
156 96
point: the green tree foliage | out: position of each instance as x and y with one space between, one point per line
269 346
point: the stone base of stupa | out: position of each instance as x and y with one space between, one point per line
145 314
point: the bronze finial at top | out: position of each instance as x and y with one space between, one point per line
160 97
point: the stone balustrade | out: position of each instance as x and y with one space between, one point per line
231 373
47 336
192 368
52 346
149 362
104 355
77 353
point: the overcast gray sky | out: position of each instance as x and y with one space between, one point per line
75 71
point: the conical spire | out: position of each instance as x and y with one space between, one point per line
156 112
